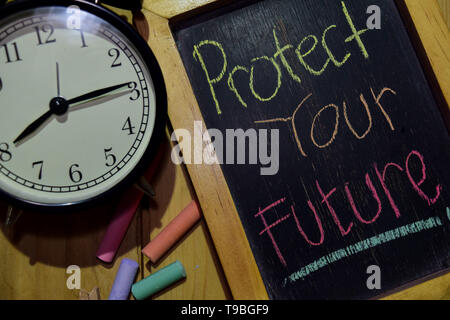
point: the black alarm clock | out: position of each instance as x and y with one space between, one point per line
83 103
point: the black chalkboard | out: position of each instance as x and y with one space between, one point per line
363 177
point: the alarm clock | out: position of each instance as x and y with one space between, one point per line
83 104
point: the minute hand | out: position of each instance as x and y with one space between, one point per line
96 93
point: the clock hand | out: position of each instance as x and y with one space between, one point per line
57 81
96 93
59 106
34 126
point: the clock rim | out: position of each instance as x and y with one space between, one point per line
156 138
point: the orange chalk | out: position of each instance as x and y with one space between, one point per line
173 232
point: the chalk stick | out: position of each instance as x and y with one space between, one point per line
122 218
119 225
172 233
124 280
158 281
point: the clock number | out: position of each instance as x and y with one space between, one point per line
16 51
41 164
110 158
5 154
133 86
75 175
114 53
128 127
46 28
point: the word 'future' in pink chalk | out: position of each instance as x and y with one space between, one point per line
173 232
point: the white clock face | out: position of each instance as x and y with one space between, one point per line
54 149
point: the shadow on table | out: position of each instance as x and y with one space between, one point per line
157 215
62 239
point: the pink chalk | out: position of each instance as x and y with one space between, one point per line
416 185
319 225
122 218
119 225
267 228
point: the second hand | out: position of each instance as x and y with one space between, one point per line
57 81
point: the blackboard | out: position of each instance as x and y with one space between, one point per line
362 178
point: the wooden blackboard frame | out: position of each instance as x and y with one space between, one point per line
429 32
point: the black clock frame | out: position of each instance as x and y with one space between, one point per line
160 94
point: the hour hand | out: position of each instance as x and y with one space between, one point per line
57 106
33 126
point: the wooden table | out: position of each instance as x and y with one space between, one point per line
35 253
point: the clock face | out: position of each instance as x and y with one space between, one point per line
78 106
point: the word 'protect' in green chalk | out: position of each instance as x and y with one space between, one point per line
158 281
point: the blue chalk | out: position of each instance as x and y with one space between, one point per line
124 280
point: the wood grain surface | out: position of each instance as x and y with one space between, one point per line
214 196
170 8
445 8
35 253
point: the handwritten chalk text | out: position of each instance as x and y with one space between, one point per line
335 108
317 237
304 53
